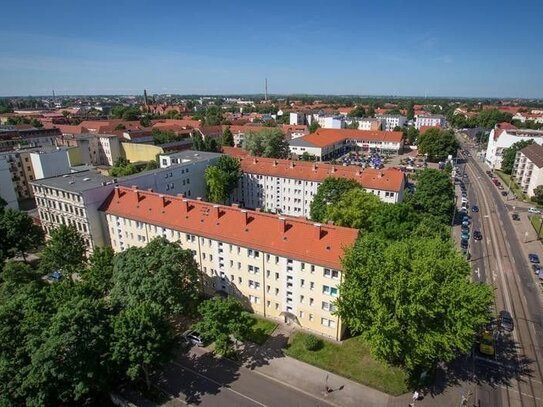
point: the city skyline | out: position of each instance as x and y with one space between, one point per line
304 48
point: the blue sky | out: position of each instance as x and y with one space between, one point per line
394 47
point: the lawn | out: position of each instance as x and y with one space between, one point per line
353 360
261 330
514 187
536 223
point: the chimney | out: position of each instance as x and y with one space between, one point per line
150 190
275 163
317 230
181 195
235 205
139 197
255 160
134 187
314 167
333 169
381 175
292 164
164 201
245 216
217 210
117 192
359 172
282 224
186 205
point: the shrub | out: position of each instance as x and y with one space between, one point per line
312 343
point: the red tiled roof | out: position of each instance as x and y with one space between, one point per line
288 237
180 122
324 137
234 151
505 125
423 129
386 179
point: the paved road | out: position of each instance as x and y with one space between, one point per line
514 378
207 381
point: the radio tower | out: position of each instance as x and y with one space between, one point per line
266 90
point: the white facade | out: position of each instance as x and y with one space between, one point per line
528 169
500 139
50 163
99 149
366 123
430 121
297 118
331 122
7 189
390 122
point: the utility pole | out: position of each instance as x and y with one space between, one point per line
266 89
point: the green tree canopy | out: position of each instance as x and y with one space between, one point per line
14 276
355 209
65 250
538 194
434 195
227 138
328 194
267 143
438 144
161 272
314 126
488 118
410 110
509 154
142 340
123 168
19 233
411 134
357 111
221 319
412 300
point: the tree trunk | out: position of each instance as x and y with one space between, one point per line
147 378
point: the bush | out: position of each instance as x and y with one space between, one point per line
312 343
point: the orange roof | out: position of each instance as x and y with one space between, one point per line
386 179
423 129
324 137
179 122
288 237
505 125
234 151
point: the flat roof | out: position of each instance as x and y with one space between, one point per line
75 182
192 155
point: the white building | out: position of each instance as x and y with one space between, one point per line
366 123
331 122
500 139
50 163
297 118
535 116
7 191
288 187
99 149
528 168
390 122
430 121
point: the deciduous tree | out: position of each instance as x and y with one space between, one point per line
267 143
65 250
355 209
328 194
434 195
19 233
438 144
509 154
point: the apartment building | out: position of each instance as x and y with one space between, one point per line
288 187
331 122
75 198
430 121
280 268
390 122
99 149
327 144
11 139
528 168
297 118
365 123
502 138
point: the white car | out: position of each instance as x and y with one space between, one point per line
464 199
533 210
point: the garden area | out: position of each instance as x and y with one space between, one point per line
350 359
260 330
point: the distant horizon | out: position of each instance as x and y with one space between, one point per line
397 48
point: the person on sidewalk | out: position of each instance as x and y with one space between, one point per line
415 398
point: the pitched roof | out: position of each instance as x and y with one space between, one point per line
289 237
386 179
534 152
324 137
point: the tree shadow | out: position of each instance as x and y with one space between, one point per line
252 355
478 369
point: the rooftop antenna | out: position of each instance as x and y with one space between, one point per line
266 90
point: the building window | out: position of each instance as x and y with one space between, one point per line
254 300
240 280
328 322
332 291
331 274
328 306
255 285
301 314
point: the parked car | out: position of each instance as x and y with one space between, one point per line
464 199
464 244
534 258
515 216
465 218
465 236
486 345
193 338
465 223
477 235
506 321
475 208
533 210
536 268
500 187
504 193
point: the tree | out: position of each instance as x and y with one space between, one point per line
438 144
355 209
19 233
411 134
353 125
142 340
314 126
328 194
267 143
65 250
145 121
15 275
71 362
412 300
394 221
161 272
99 274
163 136
122 168
213 116
307 157
131 113
434 195
222 319
488 118
410 110
151 165
371 110
538 194
227 137
357 111
509 155
216 184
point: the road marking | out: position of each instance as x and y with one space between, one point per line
219 384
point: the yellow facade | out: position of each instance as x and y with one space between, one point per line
135 152
272 286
